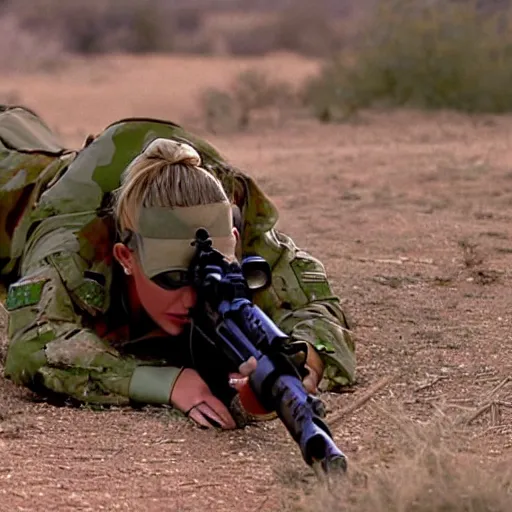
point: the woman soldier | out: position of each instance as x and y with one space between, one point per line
100 308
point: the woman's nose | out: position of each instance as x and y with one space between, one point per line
188 297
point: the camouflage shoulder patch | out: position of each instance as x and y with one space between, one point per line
91 294
24 293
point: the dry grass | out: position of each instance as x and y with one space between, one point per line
158 86
431 471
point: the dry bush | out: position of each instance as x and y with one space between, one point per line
252 91
258 40
100 26
436 54
22 50
305 29
430 472
327 95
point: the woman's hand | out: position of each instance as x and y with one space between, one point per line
313 364
240 381
192 396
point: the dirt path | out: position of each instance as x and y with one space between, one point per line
412 216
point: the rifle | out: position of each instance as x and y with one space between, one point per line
243 330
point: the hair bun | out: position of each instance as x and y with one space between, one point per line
173 152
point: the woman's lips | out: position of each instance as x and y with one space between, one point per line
178 319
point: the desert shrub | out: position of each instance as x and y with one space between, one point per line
257 40
22 50
304 28
188 19
435 54
251 91
100 26
219 110
307 29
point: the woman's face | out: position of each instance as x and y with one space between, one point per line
169 309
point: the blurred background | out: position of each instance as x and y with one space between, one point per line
432 54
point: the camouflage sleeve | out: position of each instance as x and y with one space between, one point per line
302 304
50 351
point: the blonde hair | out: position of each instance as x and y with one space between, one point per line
167 173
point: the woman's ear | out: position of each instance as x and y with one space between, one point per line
238 244
124 256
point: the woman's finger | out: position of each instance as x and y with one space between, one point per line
198 417
211 416
310 380
220 410
309 384
248 367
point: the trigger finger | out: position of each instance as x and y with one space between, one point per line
248 367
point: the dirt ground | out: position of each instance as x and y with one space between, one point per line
411 214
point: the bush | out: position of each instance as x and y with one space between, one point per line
100 26
424 54
306 29
258 40
22 50
251 91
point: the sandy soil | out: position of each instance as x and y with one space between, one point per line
411 214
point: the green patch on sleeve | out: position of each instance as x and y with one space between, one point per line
23 294
91 293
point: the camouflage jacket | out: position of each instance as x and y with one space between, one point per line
56 237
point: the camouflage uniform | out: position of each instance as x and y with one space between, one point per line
56 237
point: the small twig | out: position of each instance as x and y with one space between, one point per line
199 486
486 376
431 383
459 407
390 261
478 413
503 404
461 400
433 398
502 384
495 413
491 405
399 261
342 415
167 440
